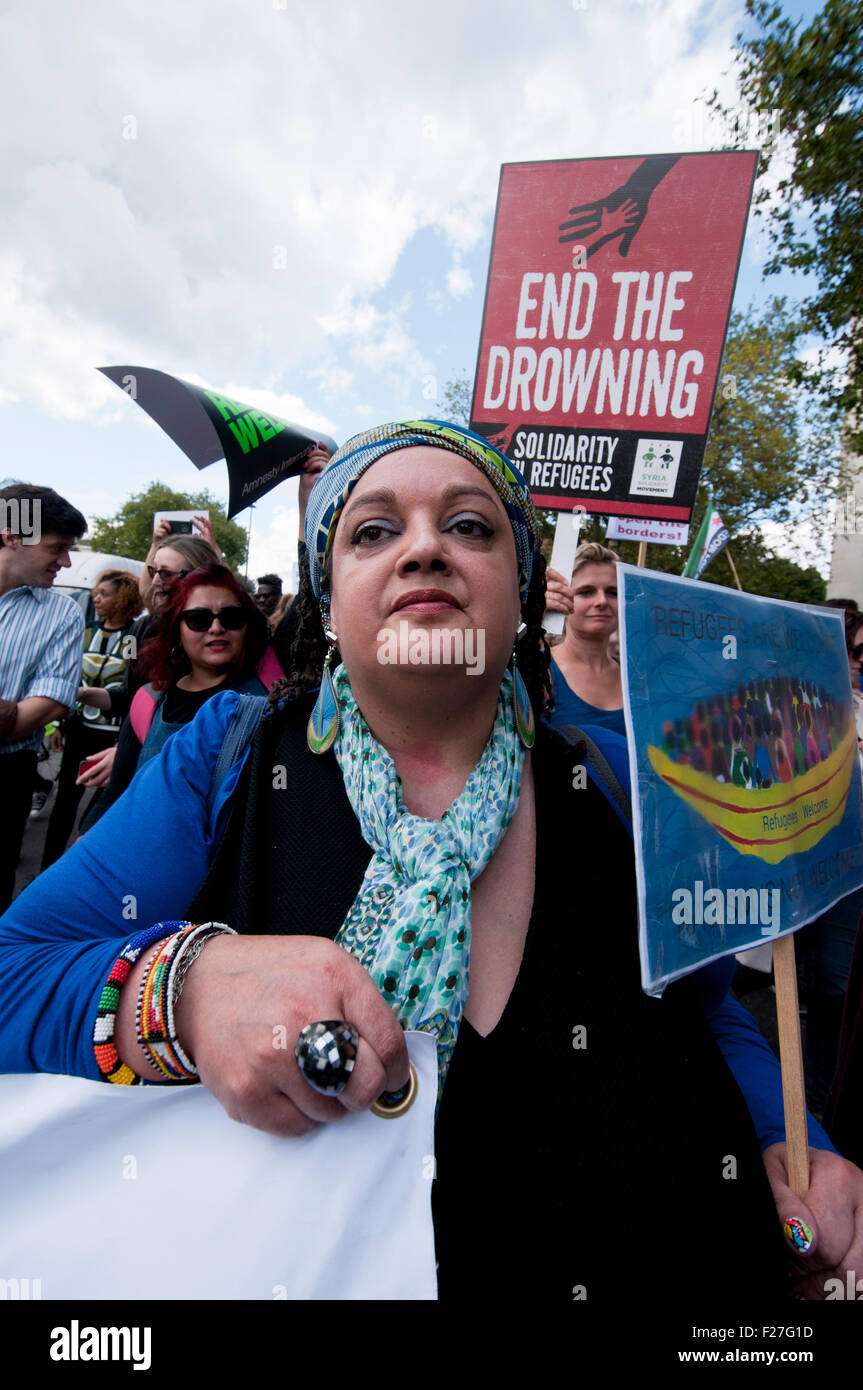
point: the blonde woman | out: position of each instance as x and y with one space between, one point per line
585 676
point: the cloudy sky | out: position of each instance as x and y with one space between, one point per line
292 203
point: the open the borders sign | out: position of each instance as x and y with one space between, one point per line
608 296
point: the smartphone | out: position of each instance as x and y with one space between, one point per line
181 523
85 765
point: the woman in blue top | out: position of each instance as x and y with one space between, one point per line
585 678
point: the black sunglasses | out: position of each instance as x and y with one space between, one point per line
166 573
202 619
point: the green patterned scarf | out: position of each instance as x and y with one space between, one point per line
410 923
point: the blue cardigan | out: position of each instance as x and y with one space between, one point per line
146 856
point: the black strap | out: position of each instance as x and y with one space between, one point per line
605 776
238 735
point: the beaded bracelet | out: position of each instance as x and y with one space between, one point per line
147 968
158 995
108 1060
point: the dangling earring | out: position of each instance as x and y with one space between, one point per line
523 709
323 726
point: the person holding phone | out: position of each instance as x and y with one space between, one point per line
165 534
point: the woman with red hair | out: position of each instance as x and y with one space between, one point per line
212 637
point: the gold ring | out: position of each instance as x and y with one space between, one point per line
400 1106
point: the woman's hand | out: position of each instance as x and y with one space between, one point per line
314 464
55 742
243 1004
833 1212
98 774
558 594
95 696
206 530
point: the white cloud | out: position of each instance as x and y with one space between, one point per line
459 281
378 341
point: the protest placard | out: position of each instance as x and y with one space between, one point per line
260 449
609 289
747 802
625 528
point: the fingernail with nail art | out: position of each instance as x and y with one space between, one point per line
798 1234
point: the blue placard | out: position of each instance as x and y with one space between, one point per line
747 792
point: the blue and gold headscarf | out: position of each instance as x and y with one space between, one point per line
346 467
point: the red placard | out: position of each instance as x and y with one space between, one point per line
608 296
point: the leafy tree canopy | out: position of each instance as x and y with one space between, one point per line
772 452
130 532
810 80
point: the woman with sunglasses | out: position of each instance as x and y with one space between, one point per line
427 862
211 637
168 562
194 549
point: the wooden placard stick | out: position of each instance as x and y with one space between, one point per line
642 554
791 1063
734 572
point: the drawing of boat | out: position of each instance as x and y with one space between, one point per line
770 822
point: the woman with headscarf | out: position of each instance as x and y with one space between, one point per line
426 821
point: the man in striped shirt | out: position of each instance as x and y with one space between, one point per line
41 637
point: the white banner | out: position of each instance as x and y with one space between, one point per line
621 528
152 1192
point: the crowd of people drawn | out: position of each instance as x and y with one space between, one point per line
765 732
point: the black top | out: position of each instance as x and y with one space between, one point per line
843 1114
621 1159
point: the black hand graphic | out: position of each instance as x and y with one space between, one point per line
620 213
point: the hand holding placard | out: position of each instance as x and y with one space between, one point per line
562 555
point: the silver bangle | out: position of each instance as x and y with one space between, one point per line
188 954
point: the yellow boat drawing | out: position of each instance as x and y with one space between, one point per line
771 822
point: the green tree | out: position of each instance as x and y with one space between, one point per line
761 571
130 532
772 456
773 453
456 400
812 79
